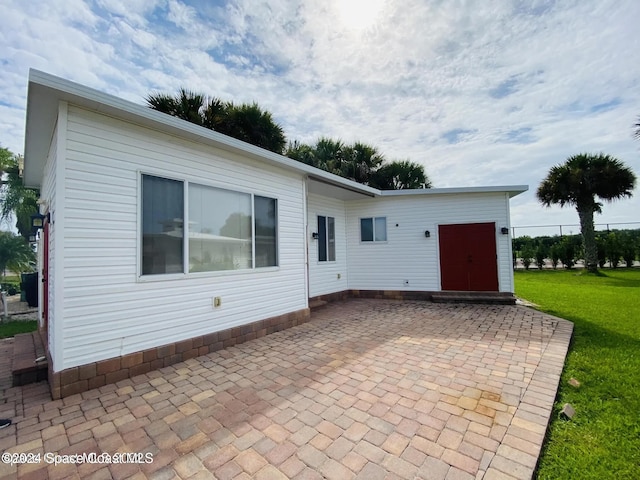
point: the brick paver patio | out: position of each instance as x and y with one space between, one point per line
368 389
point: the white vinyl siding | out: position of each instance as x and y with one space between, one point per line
407 255
323 275
48 194
110 311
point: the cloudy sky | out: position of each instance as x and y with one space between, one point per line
479 92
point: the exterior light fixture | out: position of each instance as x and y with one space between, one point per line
427 233
504 231
37 221
315 235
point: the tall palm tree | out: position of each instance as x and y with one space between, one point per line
578 182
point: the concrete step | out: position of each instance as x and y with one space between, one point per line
491 298
27 347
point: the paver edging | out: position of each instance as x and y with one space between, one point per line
530 433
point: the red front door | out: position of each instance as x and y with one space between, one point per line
45 276
468 260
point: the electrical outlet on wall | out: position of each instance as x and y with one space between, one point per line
217 301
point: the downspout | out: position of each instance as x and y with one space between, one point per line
305 193
512 287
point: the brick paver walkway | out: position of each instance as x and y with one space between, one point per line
368 389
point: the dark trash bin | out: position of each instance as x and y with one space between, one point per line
30 288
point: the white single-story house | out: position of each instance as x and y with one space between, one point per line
164 240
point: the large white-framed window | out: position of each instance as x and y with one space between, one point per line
373 229
225 229
326 239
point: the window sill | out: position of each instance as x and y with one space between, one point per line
196 275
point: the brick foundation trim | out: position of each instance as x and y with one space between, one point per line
96 374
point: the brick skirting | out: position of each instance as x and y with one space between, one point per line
96 374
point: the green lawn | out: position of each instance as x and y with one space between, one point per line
11 329
602 441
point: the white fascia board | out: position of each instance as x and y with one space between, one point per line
512 190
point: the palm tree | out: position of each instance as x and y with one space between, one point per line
15 254
247 122
399 175
187 105
360 161
329 155
301 152
15 198
578 182
251 124
637 127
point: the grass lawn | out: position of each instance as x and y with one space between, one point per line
11 329
602 441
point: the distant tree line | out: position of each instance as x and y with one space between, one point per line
616 247
359 161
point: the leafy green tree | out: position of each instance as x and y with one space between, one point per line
556 253
246 122
542 251
600 246
399 175
14 197
519 242
578 182
567 252
15 254
628 245
528 253
613 249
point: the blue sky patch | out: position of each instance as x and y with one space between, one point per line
505 89
603 107
456 135
519 135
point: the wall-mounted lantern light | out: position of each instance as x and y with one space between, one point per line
427 233
315 235
37 221
504 231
